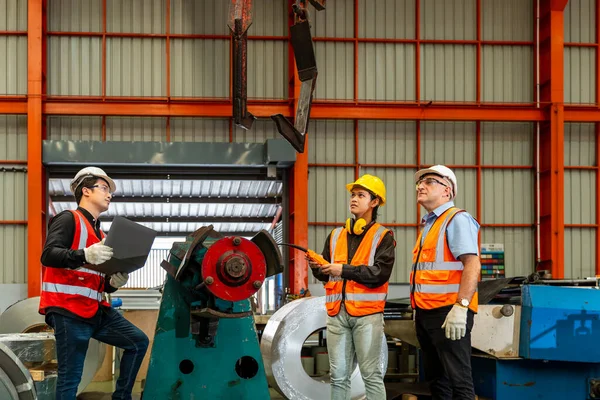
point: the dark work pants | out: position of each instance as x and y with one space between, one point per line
447 363
72 338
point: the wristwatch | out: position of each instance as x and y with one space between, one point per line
463 302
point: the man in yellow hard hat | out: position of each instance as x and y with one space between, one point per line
362 255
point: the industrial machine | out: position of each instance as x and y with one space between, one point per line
205 344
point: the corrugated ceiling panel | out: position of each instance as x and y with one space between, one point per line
337 20
270 18
262 129
386 71
14 17
507 74
401 202
387 142
189 227
328 198
183 188
135 67
510 20
580 21
199 130
136 129
386 19
580 197
335 62
451 143
13 254
448 72
198 68
137 16
449 19
13 137
331 142
13 202
580 75
519 256
208 17
507 196
580 144
74 128
75 15
580 253
268 69
13 67
74 66
507 143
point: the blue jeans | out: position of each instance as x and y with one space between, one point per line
72 338
351 337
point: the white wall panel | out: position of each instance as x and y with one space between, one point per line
335 62
137 16
13 65
13 202
206 17
75 66
448 72
328 198
14 15
507 74
199 130
580 253
199 68
386 19
270 18
508 20
13 253
451 143
74 15
387 142
337 20
507 143
268 69
580 21
74 128
448 19
507 196
136 129
13 137
580 75
580 144
401 201
331 142
519 256
386 71
580 197
135 67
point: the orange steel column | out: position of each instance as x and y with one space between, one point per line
552 188
34 146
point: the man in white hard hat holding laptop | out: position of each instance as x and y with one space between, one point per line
72 297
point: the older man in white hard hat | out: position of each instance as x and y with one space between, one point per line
443 279
73 296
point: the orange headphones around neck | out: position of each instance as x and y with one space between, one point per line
356 227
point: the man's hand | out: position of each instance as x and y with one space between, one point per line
456 323
332 269
119 279
98 253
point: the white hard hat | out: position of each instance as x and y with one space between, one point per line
442 171
89 172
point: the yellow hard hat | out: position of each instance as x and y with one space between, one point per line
372 183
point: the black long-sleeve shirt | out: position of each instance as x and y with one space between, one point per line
57 251
371 276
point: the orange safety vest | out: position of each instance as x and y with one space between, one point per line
358 299
77 290
437 274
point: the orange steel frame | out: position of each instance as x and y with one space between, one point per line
552 114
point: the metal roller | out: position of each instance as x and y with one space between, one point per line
15 379
281 347
31 348
23 317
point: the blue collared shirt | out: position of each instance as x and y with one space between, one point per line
461 232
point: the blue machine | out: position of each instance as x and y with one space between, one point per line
559 348
205 344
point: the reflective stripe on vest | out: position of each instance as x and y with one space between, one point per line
73 290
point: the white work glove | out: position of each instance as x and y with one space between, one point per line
119 279
456 323
98 253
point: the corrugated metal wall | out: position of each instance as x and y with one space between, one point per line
13 201
580 61
13 67
580 200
